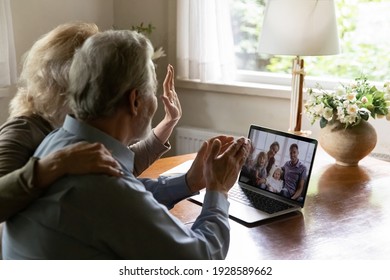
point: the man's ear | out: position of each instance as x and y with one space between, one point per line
133 102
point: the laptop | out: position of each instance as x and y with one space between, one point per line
259 195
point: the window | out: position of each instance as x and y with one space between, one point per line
362 24
7 48
204 40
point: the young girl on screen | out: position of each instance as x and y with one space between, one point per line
274 181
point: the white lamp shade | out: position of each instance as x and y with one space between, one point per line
299 28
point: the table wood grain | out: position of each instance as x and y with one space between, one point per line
346 215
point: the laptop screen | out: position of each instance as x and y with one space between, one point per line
280 163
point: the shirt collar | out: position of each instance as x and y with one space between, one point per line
297 165
91 134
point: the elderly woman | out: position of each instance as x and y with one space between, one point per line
40 106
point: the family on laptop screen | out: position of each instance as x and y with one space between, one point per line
278 164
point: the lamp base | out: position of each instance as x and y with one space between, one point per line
296 102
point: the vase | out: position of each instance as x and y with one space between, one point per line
348 145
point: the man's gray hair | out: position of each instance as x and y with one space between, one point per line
109 65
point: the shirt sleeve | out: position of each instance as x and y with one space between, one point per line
18 140
17 190
148 151
168 190
145 229
304 173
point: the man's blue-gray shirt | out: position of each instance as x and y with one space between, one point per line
101 217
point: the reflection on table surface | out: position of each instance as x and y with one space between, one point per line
346 215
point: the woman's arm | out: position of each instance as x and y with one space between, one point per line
79 158
20 187
17 190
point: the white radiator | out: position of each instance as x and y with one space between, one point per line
190 139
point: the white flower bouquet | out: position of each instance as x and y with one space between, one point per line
349 104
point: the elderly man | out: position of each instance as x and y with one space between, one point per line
95 216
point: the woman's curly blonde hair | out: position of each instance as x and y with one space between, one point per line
43 82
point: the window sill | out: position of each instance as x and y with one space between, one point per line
239 88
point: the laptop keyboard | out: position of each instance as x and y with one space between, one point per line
257 200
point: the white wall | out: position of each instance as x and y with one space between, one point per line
128 13
33 18
4 99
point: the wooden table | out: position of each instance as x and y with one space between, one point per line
346 215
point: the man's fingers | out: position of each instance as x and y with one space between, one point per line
222 138
173 76
242 155
226 141
201 155
214 149
203 149
239 150
235 147
168 80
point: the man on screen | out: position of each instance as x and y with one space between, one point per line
294 175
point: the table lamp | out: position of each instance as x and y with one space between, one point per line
299 28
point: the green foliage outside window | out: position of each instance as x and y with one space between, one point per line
362 52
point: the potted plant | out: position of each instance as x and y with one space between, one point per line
343 115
